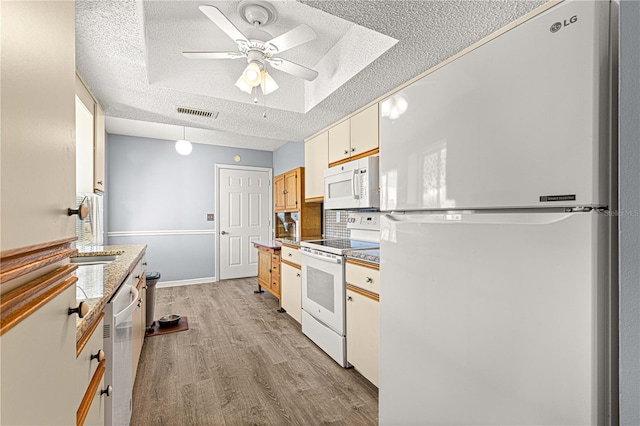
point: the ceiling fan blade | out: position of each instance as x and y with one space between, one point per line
212 55
293 68
222 22
297 36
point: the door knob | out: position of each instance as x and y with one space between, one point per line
223 232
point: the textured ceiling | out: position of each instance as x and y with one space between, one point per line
112 58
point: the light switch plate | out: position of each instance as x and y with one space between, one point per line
209 217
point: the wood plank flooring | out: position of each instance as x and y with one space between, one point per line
241 363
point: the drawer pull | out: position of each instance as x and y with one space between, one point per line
108 390
144 263
98 356
139 303
369 279
298 275
350 299
81 310
289 254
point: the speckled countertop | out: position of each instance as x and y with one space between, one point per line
371 255
287 242
97 283
272 244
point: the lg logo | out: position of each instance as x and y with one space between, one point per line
558 25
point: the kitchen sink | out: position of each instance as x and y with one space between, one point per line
94 260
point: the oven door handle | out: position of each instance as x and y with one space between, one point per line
126 312
327 259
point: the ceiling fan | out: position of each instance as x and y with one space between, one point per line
258 48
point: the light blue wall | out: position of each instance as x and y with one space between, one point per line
288 156
151 187
629 218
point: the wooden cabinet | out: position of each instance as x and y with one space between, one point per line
278 193
286 190
354 138
363 318
289 193
291 190
316 160
291 282
139 325
39 370
269 269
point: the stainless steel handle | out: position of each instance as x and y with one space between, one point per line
223 232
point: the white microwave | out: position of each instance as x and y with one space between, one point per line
352 185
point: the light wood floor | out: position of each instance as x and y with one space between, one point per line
240 363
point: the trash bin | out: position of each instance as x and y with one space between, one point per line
152 279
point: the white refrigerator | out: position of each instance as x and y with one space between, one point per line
497 305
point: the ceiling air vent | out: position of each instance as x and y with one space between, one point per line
197 112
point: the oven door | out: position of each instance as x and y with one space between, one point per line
323 288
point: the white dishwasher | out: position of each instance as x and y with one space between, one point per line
119 359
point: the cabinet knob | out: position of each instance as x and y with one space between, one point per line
269 270
139 303
298 275
346 152
369 280
82 309
350 299
145 287
82 211
99 182
289 254
108 390
144 263
99 356
353 149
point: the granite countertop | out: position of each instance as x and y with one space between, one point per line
272 244
97 283
368 255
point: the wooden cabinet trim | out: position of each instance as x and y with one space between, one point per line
364 263
314 200
80 344
15 308
356 157
293 265
89 395
364 293
20 261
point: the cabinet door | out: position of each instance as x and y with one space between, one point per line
39 371
316 160
291 190
98 150
291 291
264 268
278 193
364 131
339 142
363 334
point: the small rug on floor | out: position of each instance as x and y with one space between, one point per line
156 330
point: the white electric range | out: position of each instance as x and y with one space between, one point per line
324 287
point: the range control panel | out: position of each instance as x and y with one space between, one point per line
364 220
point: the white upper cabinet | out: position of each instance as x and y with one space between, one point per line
340 142
355 137
316 160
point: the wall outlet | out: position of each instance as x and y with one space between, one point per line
209 217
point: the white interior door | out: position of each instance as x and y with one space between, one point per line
244 206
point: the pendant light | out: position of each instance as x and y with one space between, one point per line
183 146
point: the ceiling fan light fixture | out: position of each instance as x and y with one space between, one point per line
267 83
242 85
251 74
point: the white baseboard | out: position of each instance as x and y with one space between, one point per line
204 280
